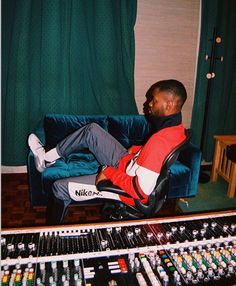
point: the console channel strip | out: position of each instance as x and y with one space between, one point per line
183 250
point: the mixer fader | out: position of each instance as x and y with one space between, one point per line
184 250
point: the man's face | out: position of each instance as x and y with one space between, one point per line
158 106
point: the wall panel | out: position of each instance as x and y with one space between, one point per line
166 37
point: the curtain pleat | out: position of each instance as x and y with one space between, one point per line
71 57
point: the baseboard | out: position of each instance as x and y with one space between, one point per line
13 169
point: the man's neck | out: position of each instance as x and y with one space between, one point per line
159 123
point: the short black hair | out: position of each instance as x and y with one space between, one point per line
173 86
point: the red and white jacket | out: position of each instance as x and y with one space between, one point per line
137 173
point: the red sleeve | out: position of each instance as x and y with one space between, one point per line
124 181
135 148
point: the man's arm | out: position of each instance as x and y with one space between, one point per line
100 177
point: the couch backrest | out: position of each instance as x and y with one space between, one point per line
58 126
127 129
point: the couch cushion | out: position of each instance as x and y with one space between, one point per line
180 179
129 130
83 163
58 126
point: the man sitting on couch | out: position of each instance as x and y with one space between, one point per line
134 170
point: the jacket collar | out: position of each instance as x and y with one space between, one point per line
162 122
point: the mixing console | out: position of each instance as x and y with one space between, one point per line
184 250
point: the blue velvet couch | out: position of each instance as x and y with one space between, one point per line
128 130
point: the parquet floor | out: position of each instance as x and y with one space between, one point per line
16 210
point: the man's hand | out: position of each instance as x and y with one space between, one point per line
130 150
100 177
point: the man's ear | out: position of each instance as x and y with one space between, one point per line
170 105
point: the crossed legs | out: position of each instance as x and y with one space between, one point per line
105 148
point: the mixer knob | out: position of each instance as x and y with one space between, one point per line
221 271
104 243
6 267
54 265
118 229
130 234
76 262
159 235
205 224
203 231
213 224
174 229
76 276
38 282
200 274
137 230
109 230
230 268
217 244
172 250
21 246
29 265
233 226
189 275
195 232
177 277
31 246
42 266
131 256
225 227
208 245
182 228
63 278
10 247
3 240
181 250
166 280
210 272
199 247
168 234
65 263
17 266
78 281
149 235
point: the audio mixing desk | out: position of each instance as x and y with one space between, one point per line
183 250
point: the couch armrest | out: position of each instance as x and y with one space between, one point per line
191 157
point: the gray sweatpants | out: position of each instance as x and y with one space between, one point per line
106 149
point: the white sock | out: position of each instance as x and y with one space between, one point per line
52 155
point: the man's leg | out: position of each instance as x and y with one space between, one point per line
105 147
72 189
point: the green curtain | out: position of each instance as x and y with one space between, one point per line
221 107
63 56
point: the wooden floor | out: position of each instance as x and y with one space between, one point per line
17 211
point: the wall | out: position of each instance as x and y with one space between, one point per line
166 37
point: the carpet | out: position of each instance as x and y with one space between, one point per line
210 197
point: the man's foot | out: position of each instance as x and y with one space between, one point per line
38 151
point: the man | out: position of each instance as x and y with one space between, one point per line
134 170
